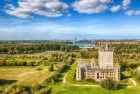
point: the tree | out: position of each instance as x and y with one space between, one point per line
138 76
36 86
109 84
51 68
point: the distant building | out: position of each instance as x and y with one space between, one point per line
104 70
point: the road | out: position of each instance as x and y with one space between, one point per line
87 85
134 83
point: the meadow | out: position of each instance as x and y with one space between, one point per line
32 70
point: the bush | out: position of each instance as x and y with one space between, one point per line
31 63
91 80
17 89
138 76
36 86
38 69
51 68
109 84
44 91
63 68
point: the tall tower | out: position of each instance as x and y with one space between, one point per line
105 56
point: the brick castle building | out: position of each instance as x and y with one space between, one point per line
104 70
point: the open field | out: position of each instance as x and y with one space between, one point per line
30 68
25 75
96 90
15 73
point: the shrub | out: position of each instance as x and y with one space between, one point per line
91 80
51 68
138 76
44 91
17 89
39 69
31 63
109 84
63 68
36 86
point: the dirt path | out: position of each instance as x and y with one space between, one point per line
83 85
87 85
64 79
134 83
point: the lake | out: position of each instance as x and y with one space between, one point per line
82 44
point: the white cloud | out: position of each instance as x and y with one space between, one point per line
50 8
91 6
115 8
133 12
126 3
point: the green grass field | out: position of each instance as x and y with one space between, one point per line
24 75
69 89
96 90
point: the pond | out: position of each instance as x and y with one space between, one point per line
83 44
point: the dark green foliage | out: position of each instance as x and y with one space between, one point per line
70 61
91 80
35 47
89 54
51 68
109 84
63 68
138 76
126 48
16 63
5 82
31 63
127 55
53 77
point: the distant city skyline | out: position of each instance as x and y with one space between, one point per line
67 19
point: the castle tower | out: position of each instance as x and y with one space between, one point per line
105 56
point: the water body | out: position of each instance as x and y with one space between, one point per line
83 44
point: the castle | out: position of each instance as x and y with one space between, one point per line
104 70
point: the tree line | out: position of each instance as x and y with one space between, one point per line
35 47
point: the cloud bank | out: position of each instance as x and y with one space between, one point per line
133 12
50 8
115 8
56 8
91 6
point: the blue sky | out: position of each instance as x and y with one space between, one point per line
66 19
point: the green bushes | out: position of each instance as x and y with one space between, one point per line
51 68
109 84
17 48
63 68
135 73
16 63
17 89
138 76
36 86
89 54
126 48
44 91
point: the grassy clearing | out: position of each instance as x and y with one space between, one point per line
24 75
71 74
138 68
15 73
96 90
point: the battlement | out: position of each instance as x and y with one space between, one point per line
104 47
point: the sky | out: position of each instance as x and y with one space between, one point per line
67 19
